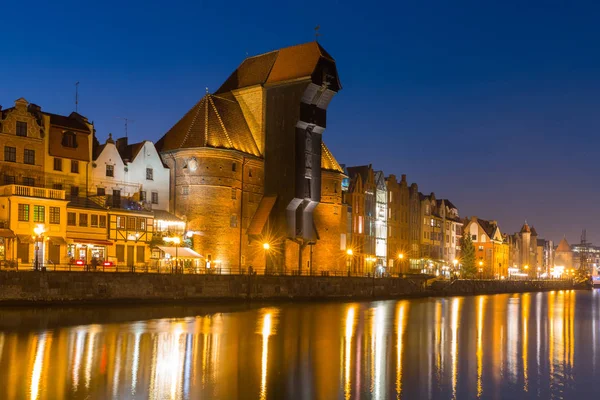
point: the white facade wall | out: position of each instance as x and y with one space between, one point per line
99 179
146 158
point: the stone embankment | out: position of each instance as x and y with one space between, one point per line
78 287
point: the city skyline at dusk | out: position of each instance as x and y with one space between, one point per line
500 123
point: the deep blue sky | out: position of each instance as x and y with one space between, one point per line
492 104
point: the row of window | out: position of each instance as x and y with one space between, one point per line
10 155
58 165
39 213
116 193
131 223
85 219
25 181
110 172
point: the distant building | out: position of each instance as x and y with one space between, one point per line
563 257
491 248
452 227
398 245
362 200
381 220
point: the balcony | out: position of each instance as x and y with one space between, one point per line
30 191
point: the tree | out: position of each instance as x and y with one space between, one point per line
469 269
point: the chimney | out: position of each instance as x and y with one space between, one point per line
121 144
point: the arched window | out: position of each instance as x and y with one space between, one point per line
69 139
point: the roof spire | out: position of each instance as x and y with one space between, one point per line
317 34
206 89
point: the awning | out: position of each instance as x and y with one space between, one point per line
25 239
180 252
7 233
92 241
57 240
261 215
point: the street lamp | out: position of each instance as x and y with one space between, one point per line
401 258
539 272
39 231
480 269
266 247
455 263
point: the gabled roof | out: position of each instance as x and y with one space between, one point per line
277 66
362 170
215 121
328 162
73 121
130 152
447 202
488 227
563 246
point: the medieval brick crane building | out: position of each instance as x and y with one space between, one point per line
248 166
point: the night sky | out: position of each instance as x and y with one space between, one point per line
494 105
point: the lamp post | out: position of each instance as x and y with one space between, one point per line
400 258
539 272
480 269
266 247
349 253
455 263
526 268
39 231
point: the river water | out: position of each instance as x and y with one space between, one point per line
533 345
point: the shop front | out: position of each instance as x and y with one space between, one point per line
176 260
88 251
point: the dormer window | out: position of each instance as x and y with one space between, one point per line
69 139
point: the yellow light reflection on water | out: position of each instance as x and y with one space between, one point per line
350 316
526 301
267 325
36 373
479 353
456 303
402 311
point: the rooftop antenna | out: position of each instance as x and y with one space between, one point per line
77 96
127 121
317 34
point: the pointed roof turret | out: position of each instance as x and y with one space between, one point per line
563 246
525 228
533 231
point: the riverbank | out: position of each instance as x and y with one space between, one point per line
27 288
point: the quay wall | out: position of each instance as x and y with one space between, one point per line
92 287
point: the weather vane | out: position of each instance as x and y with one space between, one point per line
317 34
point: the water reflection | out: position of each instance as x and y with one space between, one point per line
521 346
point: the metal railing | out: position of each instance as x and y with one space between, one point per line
167 269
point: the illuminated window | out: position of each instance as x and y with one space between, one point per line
131 223
23 212
94 220
83 219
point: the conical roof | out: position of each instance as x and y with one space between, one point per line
328 162
563 246
525 228
533 231
215 121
